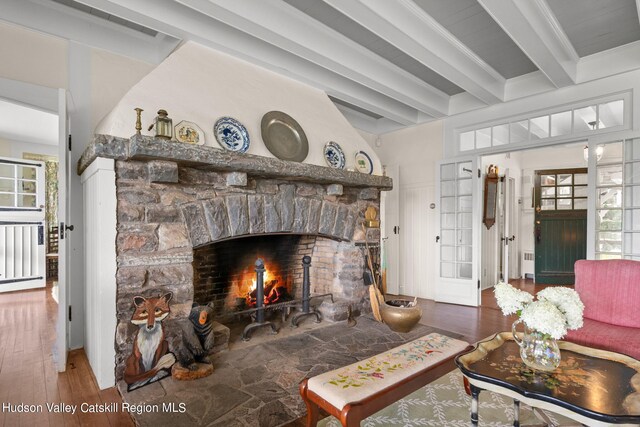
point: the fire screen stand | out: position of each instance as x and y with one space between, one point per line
307 310
259 320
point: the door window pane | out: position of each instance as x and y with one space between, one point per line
8 200
464 271
26 201
547 180
464 237
464 253
632 173
464 204
565 191
7 171
548 204
564 204
464 187
26 172
580 179
609 219
448 253
447 269
448 237
464 170
548 192
565 179
448 204
580 191
7 185
579 204
447 188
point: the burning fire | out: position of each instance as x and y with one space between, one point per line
274 286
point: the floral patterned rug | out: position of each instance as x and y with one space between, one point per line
445 403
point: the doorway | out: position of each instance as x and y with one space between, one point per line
509 248
560 226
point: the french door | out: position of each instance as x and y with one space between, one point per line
458 196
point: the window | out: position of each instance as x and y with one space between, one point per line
577 120
563 191
18 186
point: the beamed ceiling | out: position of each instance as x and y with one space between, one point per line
386 64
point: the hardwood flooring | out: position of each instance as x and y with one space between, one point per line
28 374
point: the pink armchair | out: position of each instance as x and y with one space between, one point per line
610 291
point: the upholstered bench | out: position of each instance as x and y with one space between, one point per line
354 392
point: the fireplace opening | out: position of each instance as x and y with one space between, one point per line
224 272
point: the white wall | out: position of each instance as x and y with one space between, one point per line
199 84
416 151
95 81
15 149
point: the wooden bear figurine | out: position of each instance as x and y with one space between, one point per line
197 341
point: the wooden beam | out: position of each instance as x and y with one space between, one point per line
535 29
284 26
410 29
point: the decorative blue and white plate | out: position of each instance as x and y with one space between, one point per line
364 163
231 135
334 155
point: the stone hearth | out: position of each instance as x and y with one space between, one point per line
173 199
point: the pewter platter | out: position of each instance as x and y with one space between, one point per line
284 137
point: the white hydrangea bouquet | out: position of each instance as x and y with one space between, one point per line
556 309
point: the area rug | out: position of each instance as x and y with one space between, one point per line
445 403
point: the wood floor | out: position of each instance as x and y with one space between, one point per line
28 374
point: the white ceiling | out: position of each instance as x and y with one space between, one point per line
387 64
23 124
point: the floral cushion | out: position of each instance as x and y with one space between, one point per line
362 379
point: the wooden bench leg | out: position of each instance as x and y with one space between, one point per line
312 407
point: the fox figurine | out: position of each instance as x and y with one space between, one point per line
150 359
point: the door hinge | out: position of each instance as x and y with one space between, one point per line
69 142
69 313
479 174
478 286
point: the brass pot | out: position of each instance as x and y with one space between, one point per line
398 316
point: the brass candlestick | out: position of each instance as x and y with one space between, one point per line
138 120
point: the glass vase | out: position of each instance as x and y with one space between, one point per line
537 350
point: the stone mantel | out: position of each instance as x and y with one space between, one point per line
140 147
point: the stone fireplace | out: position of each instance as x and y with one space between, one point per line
192 220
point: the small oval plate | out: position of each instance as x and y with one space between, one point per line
364 163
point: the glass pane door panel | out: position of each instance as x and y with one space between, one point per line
25 201
464 220
565 191
465 271
464 253
448 204
465 203
632 243
7 200
448 172
632 196
465 170
632 173
448 220
27 172
448 237
8 185
632 150
448 253
548 205
609 197
564 204
632 219
447 269
465 187
448 188
7 171
609 219
465 237
609 175
546 180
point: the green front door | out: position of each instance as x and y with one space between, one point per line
560 228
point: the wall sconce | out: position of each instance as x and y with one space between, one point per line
599 152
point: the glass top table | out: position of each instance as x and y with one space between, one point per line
594 387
